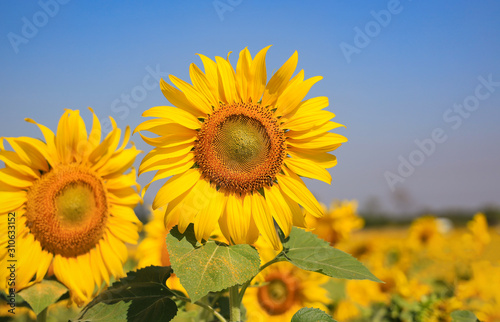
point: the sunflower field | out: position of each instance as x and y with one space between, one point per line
233 233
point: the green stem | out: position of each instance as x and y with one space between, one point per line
205 306
42 316
234 304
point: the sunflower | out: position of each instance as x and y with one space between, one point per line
153 248
71 203
281 289
427 234
235 147
338 223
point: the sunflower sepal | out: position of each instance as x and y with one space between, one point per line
306 251
140 296
211 266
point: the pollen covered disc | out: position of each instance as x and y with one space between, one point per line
67 210
240 147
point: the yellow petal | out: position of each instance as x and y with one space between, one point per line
293 95
174 115
13 161
123 230
206 220
323 142
227 84
314 131
323 159
279 208
298 216
202 84
166 163
119 163
122 181
177 98
50 139
11 200
171 140
279 80
243 74
294 188
95 133
192 94
170 171
127 197
210 72
258 75
15 179
264 220
101 154
124 213
32 151
307 121
176 186
305 168
309 106
159 154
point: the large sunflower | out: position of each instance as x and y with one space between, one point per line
236 145
73 206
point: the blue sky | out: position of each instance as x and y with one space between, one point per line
393 71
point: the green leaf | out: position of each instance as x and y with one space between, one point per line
308 314
211 267
40 295
305 250
106 312
463 316
144 291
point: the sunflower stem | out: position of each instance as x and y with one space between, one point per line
203 305
42 316
234 304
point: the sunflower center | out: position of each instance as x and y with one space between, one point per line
280 294
67 210
240 147
74 203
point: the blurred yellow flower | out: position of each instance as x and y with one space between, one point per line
477 237
426 234
346 310
285 290
337 223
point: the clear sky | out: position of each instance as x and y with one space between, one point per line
395 72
